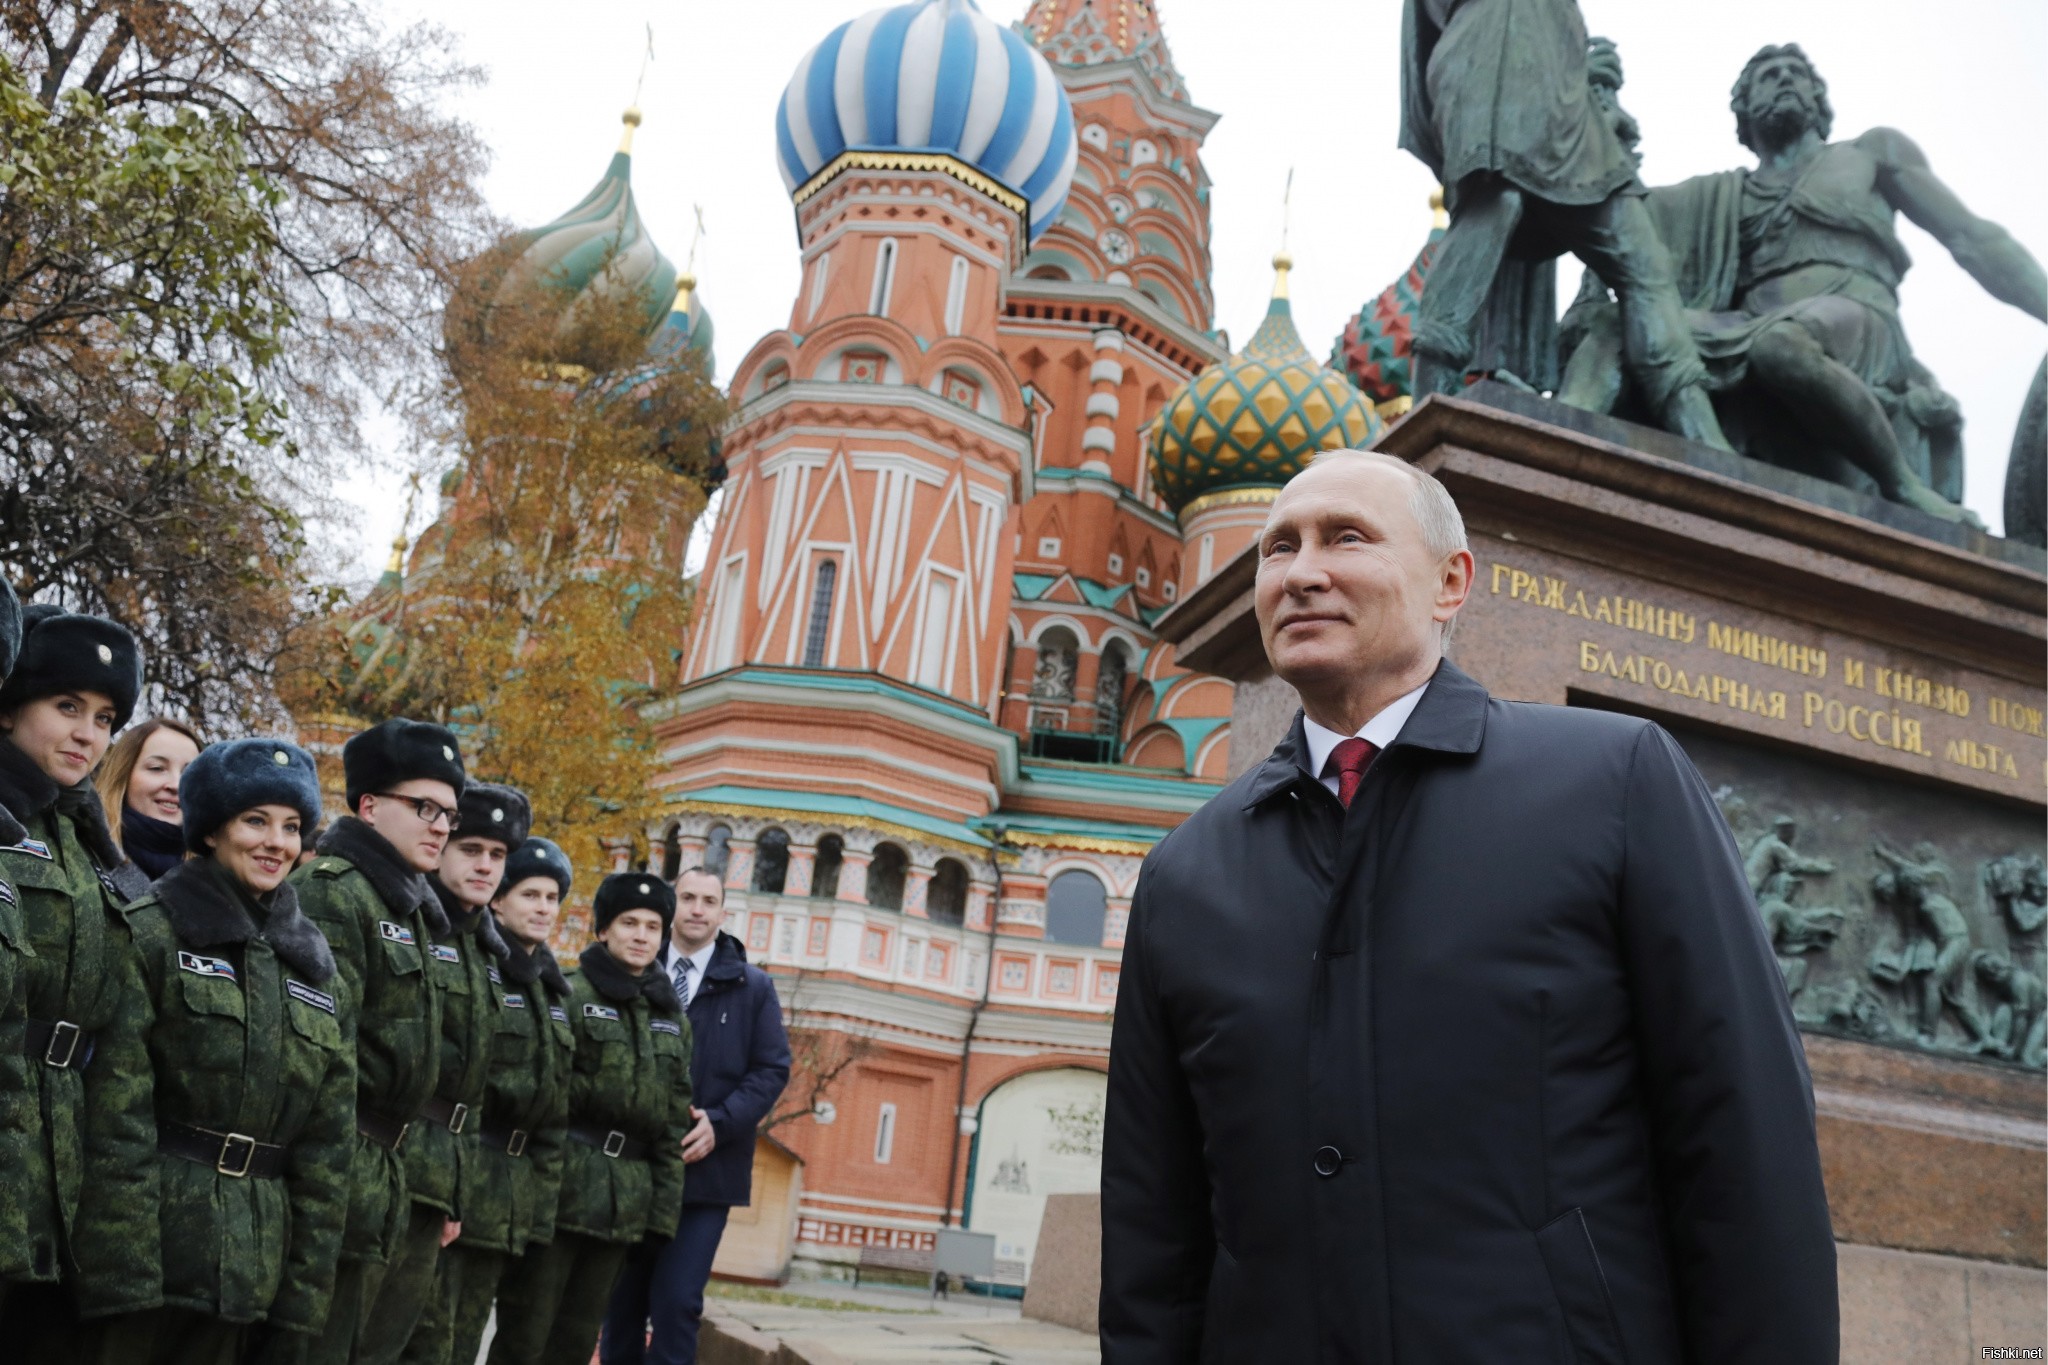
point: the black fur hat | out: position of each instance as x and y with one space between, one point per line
537 857
64 651
227 779
10 628
623 891
399 750
489 811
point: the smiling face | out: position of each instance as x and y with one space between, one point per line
528 909
634 938
258 847
153 785
700 911
64 735
472 868
1350 599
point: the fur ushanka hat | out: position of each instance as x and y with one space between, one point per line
490 811
623 891
537 857
241 774
65 651
399 750
10 628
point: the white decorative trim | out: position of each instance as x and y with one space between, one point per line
1109 339
1098 438
1104 405
1106 372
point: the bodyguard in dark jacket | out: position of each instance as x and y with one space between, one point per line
369 893
739 1063
1449 1034
216 1191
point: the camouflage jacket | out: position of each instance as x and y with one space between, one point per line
462 965
20 1133
631 1075
69 975
378 914
511 1202
230 1026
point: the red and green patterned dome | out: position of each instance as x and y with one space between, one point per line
1377 349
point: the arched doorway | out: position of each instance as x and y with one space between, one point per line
1037 1134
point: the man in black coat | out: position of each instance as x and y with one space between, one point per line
1448 1035
739 1063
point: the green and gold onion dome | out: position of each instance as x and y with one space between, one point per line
1256 419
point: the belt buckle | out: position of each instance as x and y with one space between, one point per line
516 1144
458 1116
614 1143
227 1149
66 1033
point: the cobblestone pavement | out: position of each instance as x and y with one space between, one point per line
891 1326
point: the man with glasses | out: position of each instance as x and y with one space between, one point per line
370 893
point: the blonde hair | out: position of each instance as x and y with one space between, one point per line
111 781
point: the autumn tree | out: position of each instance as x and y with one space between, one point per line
223 224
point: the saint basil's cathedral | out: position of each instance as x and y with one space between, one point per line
924 722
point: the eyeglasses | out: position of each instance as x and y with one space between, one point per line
430 812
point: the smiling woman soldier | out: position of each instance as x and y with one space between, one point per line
217 1186
73 687
629 1107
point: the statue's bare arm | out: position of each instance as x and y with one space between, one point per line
2007 270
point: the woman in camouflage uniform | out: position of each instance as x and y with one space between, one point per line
629 1106
217 1183
511 1202
73 687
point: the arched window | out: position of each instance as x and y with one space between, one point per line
823 272
1075 908
771 861
1109 692
671 854
821 614
956 296
825 875
946 900
885 277
1053 679
718 849
885 877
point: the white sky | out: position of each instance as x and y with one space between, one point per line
1307 83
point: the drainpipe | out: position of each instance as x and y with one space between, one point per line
996 843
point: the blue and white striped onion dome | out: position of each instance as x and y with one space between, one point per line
933 76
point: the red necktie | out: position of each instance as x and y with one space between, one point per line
1348 762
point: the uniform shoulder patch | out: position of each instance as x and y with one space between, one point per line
445 952
514 1001
300 991
496 980
200 965
395 933
34 847
329 866
561 1015
599 1012
665 1026
6 892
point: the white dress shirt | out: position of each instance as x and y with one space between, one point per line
698 961
1382 730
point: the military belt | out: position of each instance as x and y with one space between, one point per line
61 1044
612 1142
381 1129
232 1154
447 1113
510 1141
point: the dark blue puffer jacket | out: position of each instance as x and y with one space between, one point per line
738 1066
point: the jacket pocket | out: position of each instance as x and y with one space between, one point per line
1581 1288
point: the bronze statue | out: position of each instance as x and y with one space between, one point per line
1790 275
2018 1027
1936 952
1497 100
1776 875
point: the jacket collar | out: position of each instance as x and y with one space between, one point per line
206 911
478 923
728 959
400 887
527 965
609 976
1450 719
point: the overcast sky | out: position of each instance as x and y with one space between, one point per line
1311 84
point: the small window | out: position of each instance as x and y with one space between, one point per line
1075 908
963 389
863 367
1143 152
946 898
777 377
718 849
671 854
885 278
820 627
1169 590
822 272
825 875
956 296
885 1134
1048 547
885 877
1116 566
1144 577
1095 135
771 861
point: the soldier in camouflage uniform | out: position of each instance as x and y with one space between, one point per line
629 1106
369 892
74 685
442 1153
217 1181
510 1204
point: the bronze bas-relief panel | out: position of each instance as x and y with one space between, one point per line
1540 626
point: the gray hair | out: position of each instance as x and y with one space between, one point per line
1429 502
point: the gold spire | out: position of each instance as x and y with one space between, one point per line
686 285
632 115
396 564
1282 261
631 118
1438 219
